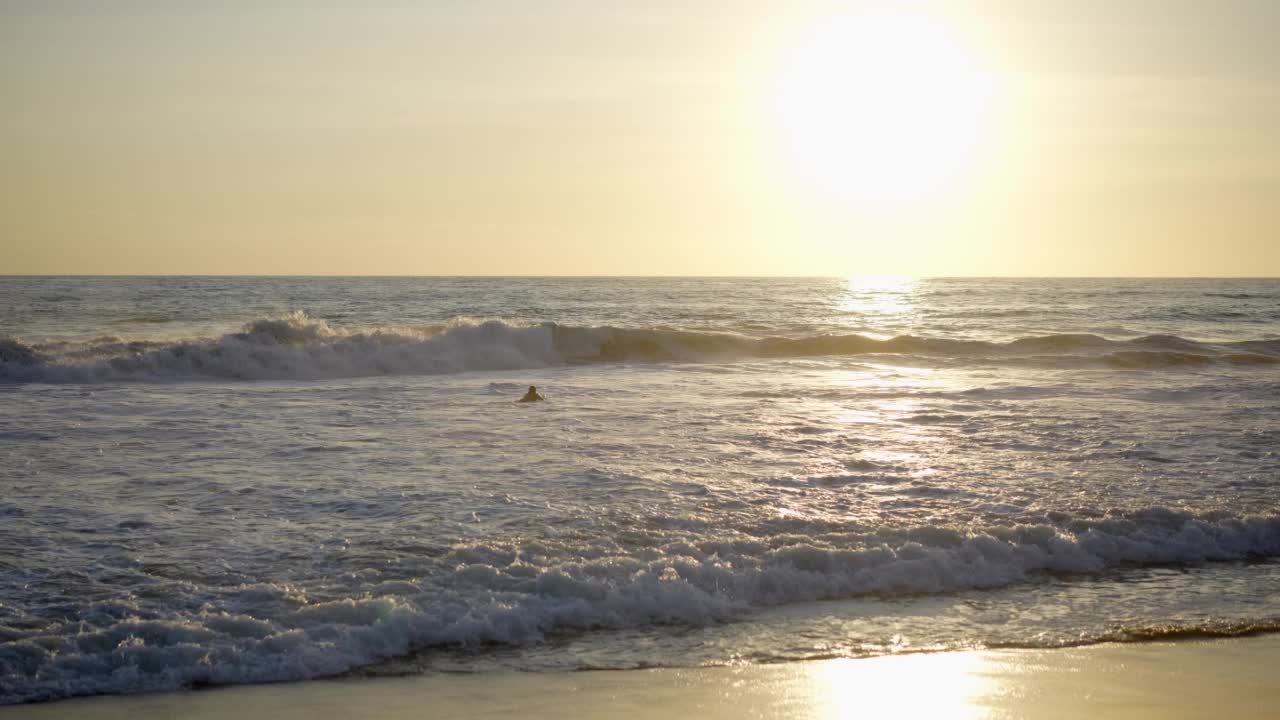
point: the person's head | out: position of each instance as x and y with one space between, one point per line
533 389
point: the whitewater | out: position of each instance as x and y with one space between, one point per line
235 480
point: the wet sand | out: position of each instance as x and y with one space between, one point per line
1237 678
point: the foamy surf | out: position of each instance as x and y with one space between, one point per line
521 593
296 347
726 471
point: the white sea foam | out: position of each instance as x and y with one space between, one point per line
517 595
295 347
950 463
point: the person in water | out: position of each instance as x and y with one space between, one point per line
532 396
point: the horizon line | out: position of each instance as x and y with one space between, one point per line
654 277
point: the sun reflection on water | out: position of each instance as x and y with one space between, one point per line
941 685
883 306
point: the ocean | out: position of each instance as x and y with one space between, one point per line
213 481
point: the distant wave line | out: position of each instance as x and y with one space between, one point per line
297 347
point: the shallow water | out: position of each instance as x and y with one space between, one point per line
217 480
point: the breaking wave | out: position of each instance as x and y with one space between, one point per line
295 347
517 594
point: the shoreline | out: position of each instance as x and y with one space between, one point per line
1190 678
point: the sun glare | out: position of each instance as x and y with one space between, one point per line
937 685
882 109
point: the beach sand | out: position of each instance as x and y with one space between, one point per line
1237 678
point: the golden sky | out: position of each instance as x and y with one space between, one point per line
461 137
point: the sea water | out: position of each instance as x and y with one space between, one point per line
236 480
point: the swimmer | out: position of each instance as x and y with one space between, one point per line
532 396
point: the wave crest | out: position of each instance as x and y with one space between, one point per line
296 347
515 594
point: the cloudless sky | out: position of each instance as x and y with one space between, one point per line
567 137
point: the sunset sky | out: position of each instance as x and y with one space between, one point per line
461 137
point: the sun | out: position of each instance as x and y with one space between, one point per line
882 109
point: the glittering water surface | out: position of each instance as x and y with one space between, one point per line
214 480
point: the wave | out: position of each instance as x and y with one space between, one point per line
1241 296
513 595
1123 634
1171 632
144 320
296 347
